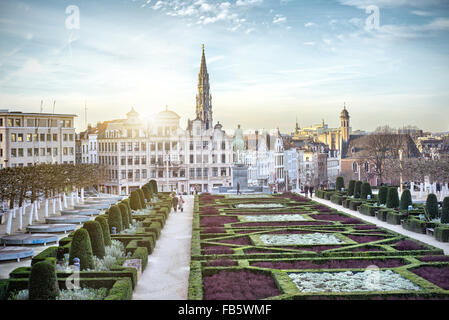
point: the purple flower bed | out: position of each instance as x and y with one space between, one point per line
436 275
250 251
363 239
290 232
243 241
366 227
408 245
221 263
208 210
330 264
313 248
364 249
322 208
217 221
282 223
337 217
214 230
217 250
239 285
434 258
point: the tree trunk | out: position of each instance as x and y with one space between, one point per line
65 199
82 195
53 207
9 223
72 202
36 217
46 207
30 218
59 202
20 218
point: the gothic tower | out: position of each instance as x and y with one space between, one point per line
344 127
203 98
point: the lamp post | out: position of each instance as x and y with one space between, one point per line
167 155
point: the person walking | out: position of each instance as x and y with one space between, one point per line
311 190
181 203
306 190
175 202
238 187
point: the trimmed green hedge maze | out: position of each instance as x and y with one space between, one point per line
290 247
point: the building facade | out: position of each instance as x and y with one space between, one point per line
31 138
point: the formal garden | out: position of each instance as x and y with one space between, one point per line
290 247
102 260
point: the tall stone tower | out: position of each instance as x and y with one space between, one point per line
203 98
345 129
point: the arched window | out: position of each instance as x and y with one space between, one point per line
354 167
366 167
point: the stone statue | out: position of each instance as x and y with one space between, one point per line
238 145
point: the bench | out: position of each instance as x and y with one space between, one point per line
429 231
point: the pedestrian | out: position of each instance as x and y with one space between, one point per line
181 203
438 187
238 187
311 190
170 197
175 202
306 190
196 189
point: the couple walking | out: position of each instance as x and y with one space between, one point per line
177 203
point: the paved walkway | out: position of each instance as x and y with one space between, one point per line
167 274
396 228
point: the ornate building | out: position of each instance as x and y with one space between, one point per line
204 98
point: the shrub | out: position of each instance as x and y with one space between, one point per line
406 200
153 186
351 187
141 253
442 233
147 192
121 290
128 209
358 189
82 249
42 284
96 237
445 211
432 206
392 198
134 201
125 216
105 228
382 196
354 204
142 198
115 218
415 225
367 209
339 183
394 218
365 190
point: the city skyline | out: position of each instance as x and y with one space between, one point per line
261 58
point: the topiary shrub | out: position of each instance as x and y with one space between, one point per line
134 201
445 211
142 198
392 198
153 186
96 238
432 206
339 183
365 190
406 200
82 249
105 228
147 192
357 189
128 208
43 284
115 218
351 187
125 215
382 195
141 253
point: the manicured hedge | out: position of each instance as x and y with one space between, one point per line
351 187
445 211
415 225
339 183
354 204
125 216
142 198
105 228
115 218
121 290
394 217
42 284
365 190
382 214
392 198
336 198
442 233
96 238
134 201
382 195
432 206
141 253
82 249
406 200
50 252
368 209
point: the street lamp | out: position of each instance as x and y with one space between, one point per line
166 161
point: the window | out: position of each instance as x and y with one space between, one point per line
223 158
122 161
42 154
160 174
182 173
130 146
223 145
55 137
65 151
10 122
205 172
29 137
123 174
174 145
35 137
191 146
137 174
71 151
223 172
130 160
13 137
159 146
136 146
191 158
20 150
48 137
1 122
1 137
144 160
153 174
198 158
130 174
205 145
42 137
144 173
48 151
122 146
366 167
192 173
354 167
36 152
20 137
136 160
13 152
30 152
17 122
152 146
205 158
143 146
215 172
153 160
55 151
66 138
198 172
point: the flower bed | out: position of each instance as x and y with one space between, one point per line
436 275
330 264
298 239
259 205
276 217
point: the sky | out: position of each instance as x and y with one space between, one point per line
270 62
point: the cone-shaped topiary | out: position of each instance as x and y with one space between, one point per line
142 198
134 201
115 219
96 238
43 284
125 216
382 195
406 200
128 208
365 190
445 211
147 192
105 228
153 185
392 198
358 189
432 206
339 183
82 249
351 187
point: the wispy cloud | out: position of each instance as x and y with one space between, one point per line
309 24
279 18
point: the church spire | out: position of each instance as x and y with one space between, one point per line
203 98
